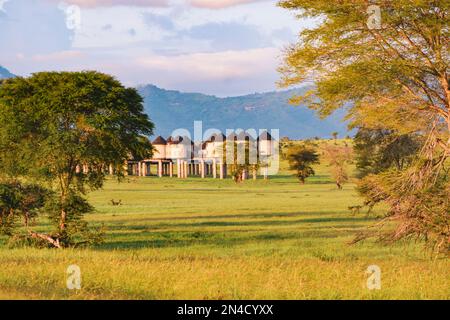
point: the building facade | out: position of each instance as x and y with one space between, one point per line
181 157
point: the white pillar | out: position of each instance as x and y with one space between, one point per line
144 169
185 169
202 168
160 170
221 170
178 169
171 169
214 169
182 169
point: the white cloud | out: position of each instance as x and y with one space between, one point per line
110 3
2 3
207 4
220 4
59 56
183 46
213 66
220 73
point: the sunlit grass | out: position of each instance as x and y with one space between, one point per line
212 239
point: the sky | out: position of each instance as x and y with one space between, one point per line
218 47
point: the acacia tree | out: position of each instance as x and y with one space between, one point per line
301 159
241 156
338 158
392 75
335 136
380 150
64 129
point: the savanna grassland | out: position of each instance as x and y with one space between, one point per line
212 239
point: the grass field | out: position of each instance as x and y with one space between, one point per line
212 239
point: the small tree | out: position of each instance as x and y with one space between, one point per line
301 159
56 123
335 136
19 201
241 156
338 159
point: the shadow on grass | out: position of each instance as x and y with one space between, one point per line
126 241
194 224
155 237
232 216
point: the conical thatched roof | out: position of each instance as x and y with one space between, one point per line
265 136
240 136
159 141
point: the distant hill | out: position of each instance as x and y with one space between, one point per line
171 110
5 74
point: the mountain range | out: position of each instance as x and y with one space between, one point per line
5 74
170 110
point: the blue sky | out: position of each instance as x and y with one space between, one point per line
220 47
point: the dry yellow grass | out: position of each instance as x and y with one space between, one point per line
210 239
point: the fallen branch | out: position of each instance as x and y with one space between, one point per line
46 238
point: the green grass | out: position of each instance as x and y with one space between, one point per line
212 239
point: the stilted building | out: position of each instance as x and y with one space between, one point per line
180 156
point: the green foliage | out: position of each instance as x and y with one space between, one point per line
335 135
301 158
8 203
20 201
380 150
393 78
338 158
55 123
422 215
241 157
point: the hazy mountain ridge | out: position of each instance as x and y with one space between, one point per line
5 74
170 110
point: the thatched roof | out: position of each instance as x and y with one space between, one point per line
265 136
241 136
159 141
178 140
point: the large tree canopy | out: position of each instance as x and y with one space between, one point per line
55 124
398 73
392 76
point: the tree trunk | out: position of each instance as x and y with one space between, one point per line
45 237
62 222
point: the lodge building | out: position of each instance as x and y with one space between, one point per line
181 157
